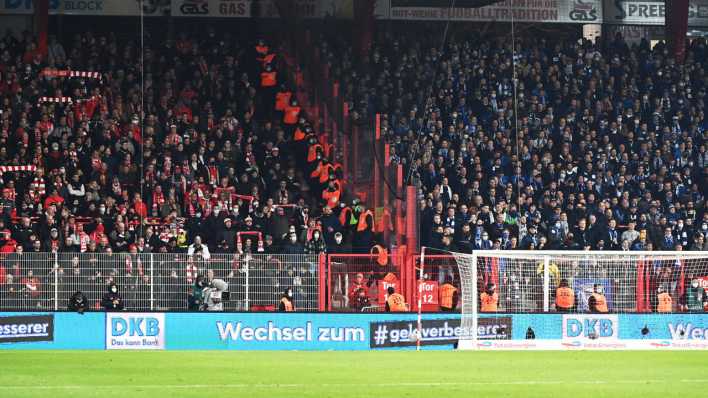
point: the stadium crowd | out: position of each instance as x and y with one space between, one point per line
218 156
223 149
610 152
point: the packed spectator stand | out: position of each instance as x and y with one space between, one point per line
610 152
218 157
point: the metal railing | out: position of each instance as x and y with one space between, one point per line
155 281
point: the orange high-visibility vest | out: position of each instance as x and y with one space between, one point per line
316 172
287 304
489 302
312 152
262 50
665 302
363 225
381 255
268 79
396 303
267 59
282 99
600 302
299 135
565 298
344 216
324 173
291 114
332 198
447 292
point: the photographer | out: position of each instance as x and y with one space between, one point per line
78 302
215 295
196 297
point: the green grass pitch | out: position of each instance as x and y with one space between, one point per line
387 374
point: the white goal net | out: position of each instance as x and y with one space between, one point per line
530 284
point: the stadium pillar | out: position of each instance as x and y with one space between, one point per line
364 25
41 25
677 27
411 219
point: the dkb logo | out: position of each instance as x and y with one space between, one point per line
590 326
135 326
145 331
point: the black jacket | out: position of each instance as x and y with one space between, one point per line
108 301
78 302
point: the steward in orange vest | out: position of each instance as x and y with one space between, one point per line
597 301
366 221
381 255
332 194
267 60
664 301
268 77
565 297
489 299
346 217
262 48
299 133
327 172
314 149
291 113
286 302
448 296
395 302
282 99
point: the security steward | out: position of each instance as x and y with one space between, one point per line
448 296
78 302
112 300
286 302
597 301
489 299
664 300
395 302
565 297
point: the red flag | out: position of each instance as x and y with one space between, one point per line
681 279
495 271
640 286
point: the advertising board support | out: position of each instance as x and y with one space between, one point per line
546 283
247 298
152 284
56 281
322 288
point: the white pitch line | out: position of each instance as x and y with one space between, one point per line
403 384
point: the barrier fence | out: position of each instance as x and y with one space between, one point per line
155 282
524 283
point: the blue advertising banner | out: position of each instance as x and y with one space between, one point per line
278 331
267 331
328 331
664 327
51 331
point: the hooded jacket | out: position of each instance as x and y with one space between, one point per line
112 301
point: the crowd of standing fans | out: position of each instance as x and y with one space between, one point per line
199 145
194 146
567 144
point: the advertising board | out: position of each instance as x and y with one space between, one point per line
135 331
47 330
24 328
651 12
435 331
329 331
570 11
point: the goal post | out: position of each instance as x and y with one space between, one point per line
524 285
